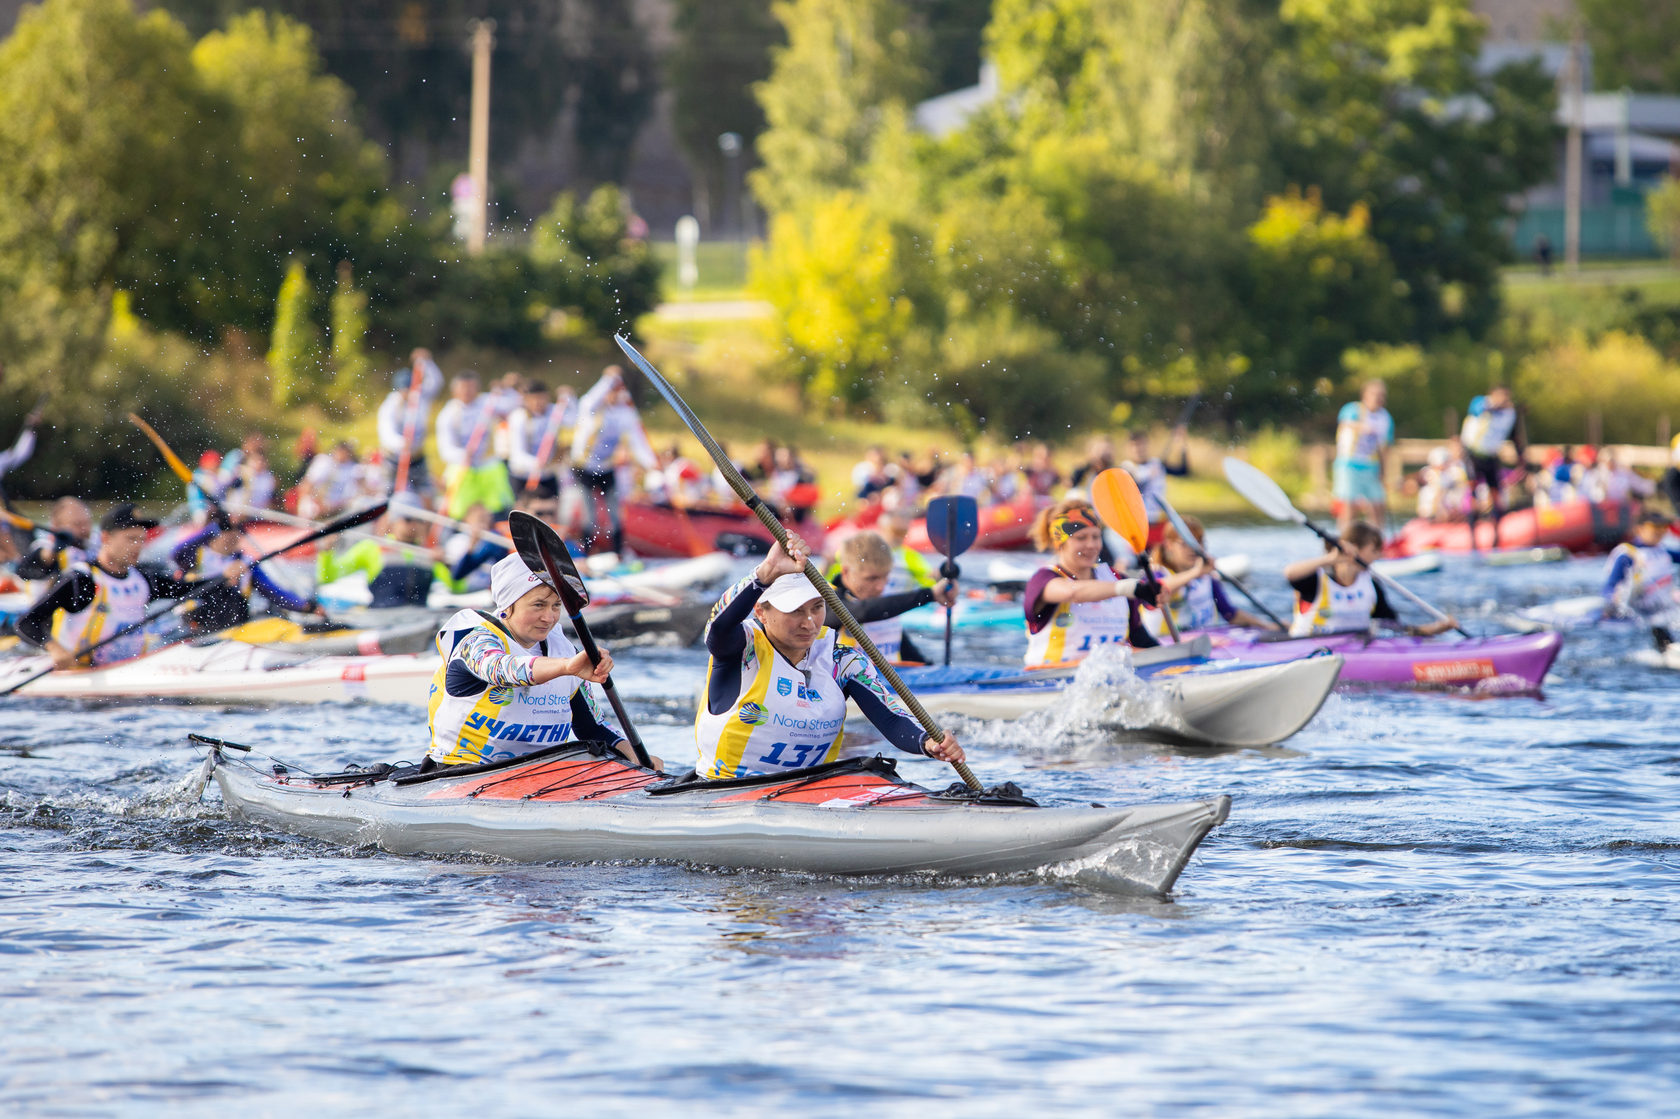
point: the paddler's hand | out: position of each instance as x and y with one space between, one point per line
780 561
1147 592
945 750
235 571
580 667
945 593
61 657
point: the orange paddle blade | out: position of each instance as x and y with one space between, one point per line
1115 494
169 456
21 523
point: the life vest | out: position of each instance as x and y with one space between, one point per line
1361 435
500 721
1335 608
1650 578
1485 429
1193 607
116 603
787 717
1078 627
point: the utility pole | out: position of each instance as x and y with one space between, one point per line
1572 162
478 147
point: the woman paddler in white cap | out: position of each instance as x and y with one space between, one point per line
778 681
511 683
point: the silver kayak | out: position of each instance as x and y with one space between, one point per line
1189 701
571 804
233 672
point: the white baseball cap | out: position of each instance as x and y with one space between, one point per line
511 580
789 593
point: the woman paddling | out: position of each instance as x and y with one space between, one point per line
778 680
1191 588
1336 593
1078 602
510 683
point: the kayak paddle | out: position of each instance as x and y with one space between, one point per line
1190 542
953 524
1268 497
1120 505
743 489
543 551
350 521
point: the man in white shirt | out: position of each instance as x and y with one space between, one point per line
472 474
607 419
402 420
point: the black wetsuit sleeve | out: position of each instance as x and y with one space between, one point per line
165 585
30 566
1383 609
726 640
906 734
1182 470
1136 632
1306 586
911 652
585 726
881 608
72 594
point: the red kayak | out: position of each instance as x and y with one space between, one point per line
1003 527
665 531
1580 526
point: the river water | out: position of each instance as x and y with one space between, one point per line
1421 905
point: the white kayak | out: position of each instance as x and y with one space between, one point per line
233 672
570 804
1184 697
1400 567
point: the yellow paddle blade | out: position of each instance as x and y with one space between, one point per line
169 456
265 631
1115 494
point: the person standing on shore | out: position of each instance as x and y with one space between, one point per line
1364 438
1490 421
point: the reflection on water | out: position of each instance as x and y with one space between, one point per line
1420 905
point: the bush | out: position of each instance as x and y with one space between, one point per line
1619 376
831 271
1662 215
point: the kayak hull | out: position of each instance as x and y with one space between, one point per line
1506 662
235 673
1580 526
651 529
568 805
1199 702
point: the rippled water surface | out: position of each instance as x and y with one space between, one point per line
1422 904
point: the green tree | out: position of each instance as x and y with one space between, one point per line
111 156
294 353
847 65
585 262
348 314
1633 44
1662 215
1390 112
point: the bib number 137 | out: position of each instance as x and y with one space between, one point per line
789 756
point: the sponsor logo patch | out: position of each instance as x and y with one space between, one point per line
1452 672
784 686
753 714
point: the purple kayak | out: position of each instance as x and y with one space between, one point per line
1506 663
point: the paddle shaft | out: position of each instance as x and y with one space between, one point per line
593 651
1190 541
951 559
545 449
198 589
750 498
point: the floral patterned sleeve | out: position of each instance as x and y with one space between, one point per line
484 657
879 704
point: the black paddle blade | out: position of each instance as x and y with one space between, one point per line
953 524
542 549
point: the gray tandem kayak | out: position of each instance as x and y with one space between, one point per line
580 803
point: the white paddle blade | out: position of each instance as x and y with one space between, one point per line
1260 491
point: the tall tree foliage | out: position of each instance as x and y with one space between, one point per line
847 64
